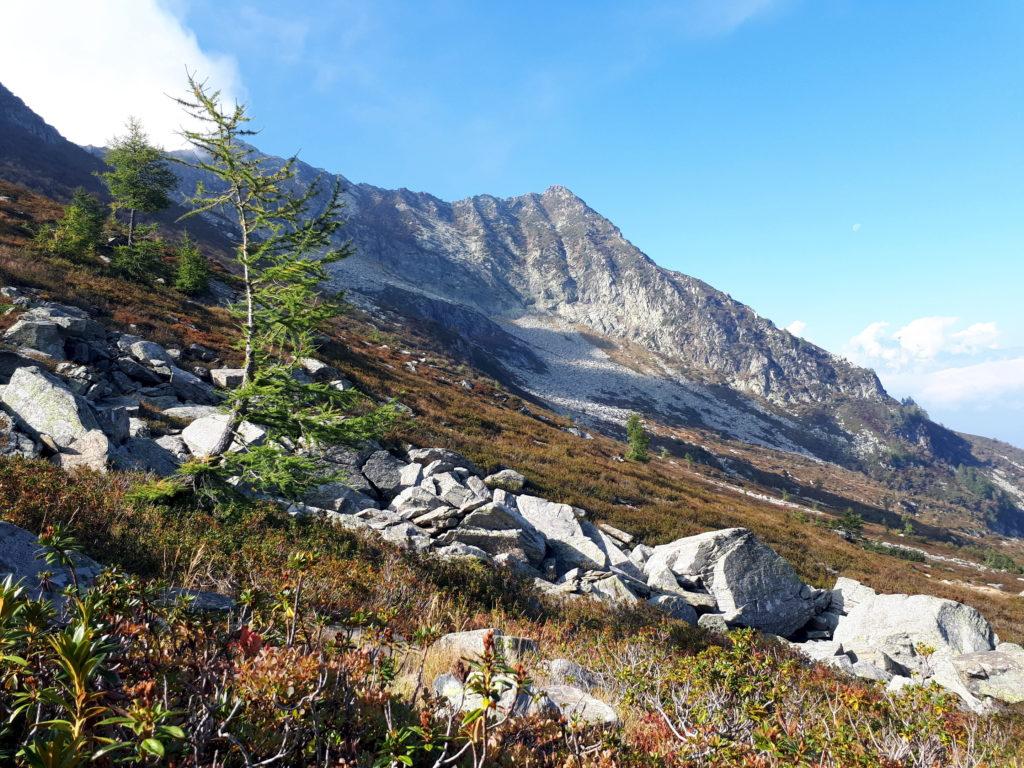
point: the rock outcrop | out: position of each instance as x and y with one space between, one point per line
44 405
904 640
900 626
20 560
751 584
120 400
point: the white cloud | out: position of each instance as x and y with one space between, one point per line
924 338
797 327
976 338
924 342
855 228
871 344
85 67
959 374
994 383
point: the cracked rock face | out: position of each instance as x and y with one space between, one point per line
998 674
751 584
559 523
901 625
552 253
46 406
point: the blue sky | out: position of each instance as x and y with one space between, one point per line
851 166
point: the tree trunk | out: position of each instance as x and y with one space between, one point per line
249 329
249 367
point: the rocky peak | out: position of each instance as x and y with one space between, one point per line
16 115
33 153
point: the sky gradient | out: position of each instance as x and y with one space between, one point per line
849 168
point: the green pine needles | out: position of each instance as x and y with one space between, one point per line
139 178
192 271
638 439
285 246
79 231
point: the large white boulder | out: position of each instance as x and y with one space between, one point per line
73 322
566 538
507 480
752 585
204 434
911 628
148 352
495 517
578 706
91 451
495 541
413 502
617 559
384 472
143 454
847 594
41 336
45 406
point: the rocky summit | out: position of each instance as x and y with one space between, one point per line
549 293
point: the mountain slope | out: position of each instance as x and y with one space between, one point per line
609 331
548 296
34 153
552 254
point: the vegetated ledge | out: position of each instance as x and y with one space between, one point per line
438 501
87 414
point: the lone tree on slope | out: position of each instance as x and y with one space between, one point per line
283 251
639 440
140 179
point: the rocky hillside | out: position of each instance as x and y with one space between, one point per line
33 153
547 296
110 393
569 310
522 563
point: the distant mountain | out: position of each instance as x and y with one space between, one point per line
33 153
548 293
548 296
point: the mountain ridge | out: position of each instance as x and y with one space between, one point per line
550 298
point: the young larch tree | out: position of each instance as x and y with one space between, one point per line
139 179
283 251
